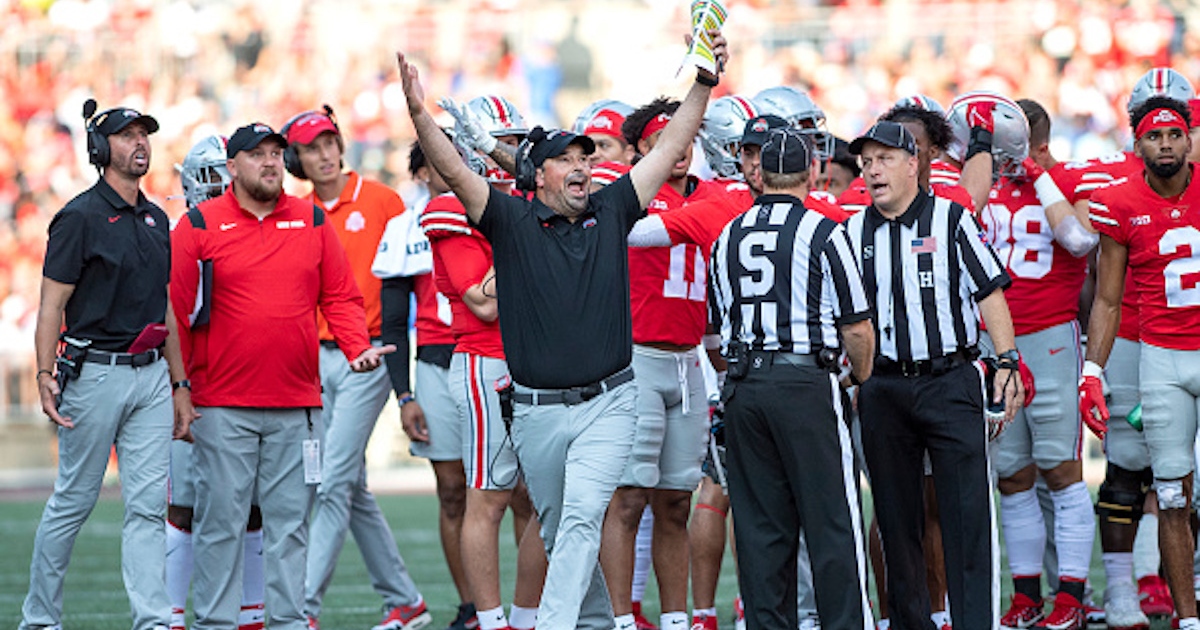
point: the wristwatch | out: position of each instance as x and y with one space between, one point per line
184 383
1009 359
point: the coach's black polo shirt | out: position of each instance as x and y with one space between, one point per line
563 287
118 257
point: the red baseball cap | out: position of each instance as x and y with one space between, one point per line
306 128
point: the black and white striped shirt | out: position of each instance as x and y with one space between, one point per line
925 271
783 278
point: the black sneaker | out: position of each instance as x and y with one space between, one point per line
466 619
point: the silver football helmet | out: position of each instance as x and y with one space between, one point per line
721 133
468 155
1160 82
499 116
1010 135
801 112
203 173
595 109
920 101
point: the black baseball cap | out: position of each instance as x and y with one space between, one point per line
786 150
122 117
887 133
757 128
553 143
250 136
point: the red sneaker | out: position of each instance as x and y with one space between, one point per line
704 622
1067 614
1023 613
406 618
739 614
1155 597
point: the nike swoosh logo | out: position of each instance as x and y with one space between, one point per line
114 219
228 226
1054 351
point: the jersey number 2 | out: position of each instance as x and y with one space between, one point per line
1181 270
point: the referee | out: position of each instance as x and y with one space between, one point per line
786 294
926 269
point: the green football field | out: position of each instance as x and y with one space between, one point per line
95 597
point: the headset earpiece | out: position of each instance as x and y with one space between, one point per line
291 158
99 153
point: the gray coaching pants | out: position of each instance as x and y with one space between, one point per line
236 448
572 457
130 408
352 402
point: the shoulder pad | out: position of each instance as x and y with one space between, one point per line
197 218
318 216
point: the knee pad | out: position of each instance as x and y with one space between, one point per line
1119 506
1170 494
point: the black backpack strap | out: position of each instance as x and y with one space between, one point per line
318 216
197 219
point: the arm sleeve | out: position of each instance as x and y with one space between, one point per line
395 301
841 271
466 258
64 250
984 273
187 271
340 300
650 231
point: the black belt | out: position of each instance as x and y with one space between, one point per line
573 395
123 358
927 367
763 358
333 344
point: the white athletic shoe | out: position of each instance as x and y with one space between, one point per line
1122 609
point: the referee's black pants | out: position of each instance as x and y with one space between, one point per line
790 465
902 417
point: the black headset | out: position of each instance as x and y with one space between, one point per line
99 153
526 175
291 160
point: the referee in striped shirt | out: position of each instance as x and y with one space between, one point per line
786 295
926 269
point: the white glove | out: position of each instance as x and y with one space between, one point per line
470 129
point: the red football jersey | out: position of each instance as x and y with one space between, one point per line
1046 278
668 285
461 258
1080 180
943 173
855 198
1163 239
826 204
434 315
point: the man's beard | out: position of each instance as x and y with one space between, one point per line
259 191
1165 171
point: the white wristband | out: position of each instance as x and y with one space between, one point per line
1047 191
712 342
1091 368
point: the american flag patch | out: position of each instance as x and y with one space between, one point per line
589 222
927 245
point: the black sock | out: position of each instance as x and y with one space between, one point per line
1030 586
1074 588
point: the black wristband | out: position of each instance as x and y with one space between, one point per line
40 372
854 380
707 81
980 142
181 384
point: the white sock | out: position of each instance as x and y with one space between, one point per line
641 554
179 567
1189 623
1146 556
1118 569
673 621
1074 530
883 624
940 618
492 619
625 622
707 612
1024 532
252 589
522 618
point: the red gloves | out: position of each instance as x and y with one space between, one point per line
1091 400
1027 382
1032 170
979 115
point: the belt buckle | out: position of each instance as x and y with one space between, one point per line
573 396
910 369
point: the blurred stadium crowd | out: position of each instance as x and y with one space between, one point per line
205 67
